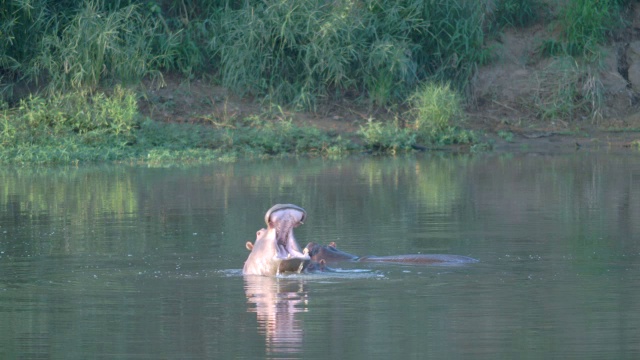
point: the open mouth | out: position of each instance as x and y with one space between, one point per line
284 218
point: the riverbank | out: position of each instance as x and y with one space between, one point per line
197 102
194 85
195 122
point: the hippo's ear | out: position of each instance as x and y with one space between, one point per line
249 245
332 244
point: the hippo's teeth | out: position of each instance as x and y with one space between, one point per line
305 251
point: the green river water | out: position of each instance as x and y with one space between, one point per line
117 262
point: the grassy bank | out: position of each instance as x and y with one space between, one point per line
70 71
76 127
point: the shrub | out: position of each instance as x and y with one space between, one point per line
436 109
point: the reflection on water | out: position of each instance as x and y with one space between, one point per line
276 301
129 262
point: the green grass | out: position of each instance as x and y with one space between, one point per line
379 137
517 13
438 114
582 27
586 24
77 57
285 51
92 45
288 51
305 52
436 117
76 127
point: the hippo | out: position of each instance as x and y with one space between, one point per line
330 253
275 250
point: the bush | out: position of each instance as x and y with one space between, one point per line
436 109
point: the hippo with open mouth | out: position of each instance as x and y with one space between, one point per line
275 250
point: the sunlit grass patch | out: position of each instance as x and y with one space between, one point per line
386 137
438 114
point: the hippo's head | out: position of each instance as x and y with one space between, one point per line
275 250
327 253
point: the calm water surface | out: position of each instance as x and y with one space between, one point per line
144 263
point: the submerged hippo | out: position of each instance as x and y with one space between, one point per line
330 253
275 250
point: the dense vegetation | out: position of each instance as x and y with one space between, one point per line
68 69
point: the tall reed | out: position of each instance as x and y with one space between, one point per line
94 44
22 24
586 23
583 26
303 52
